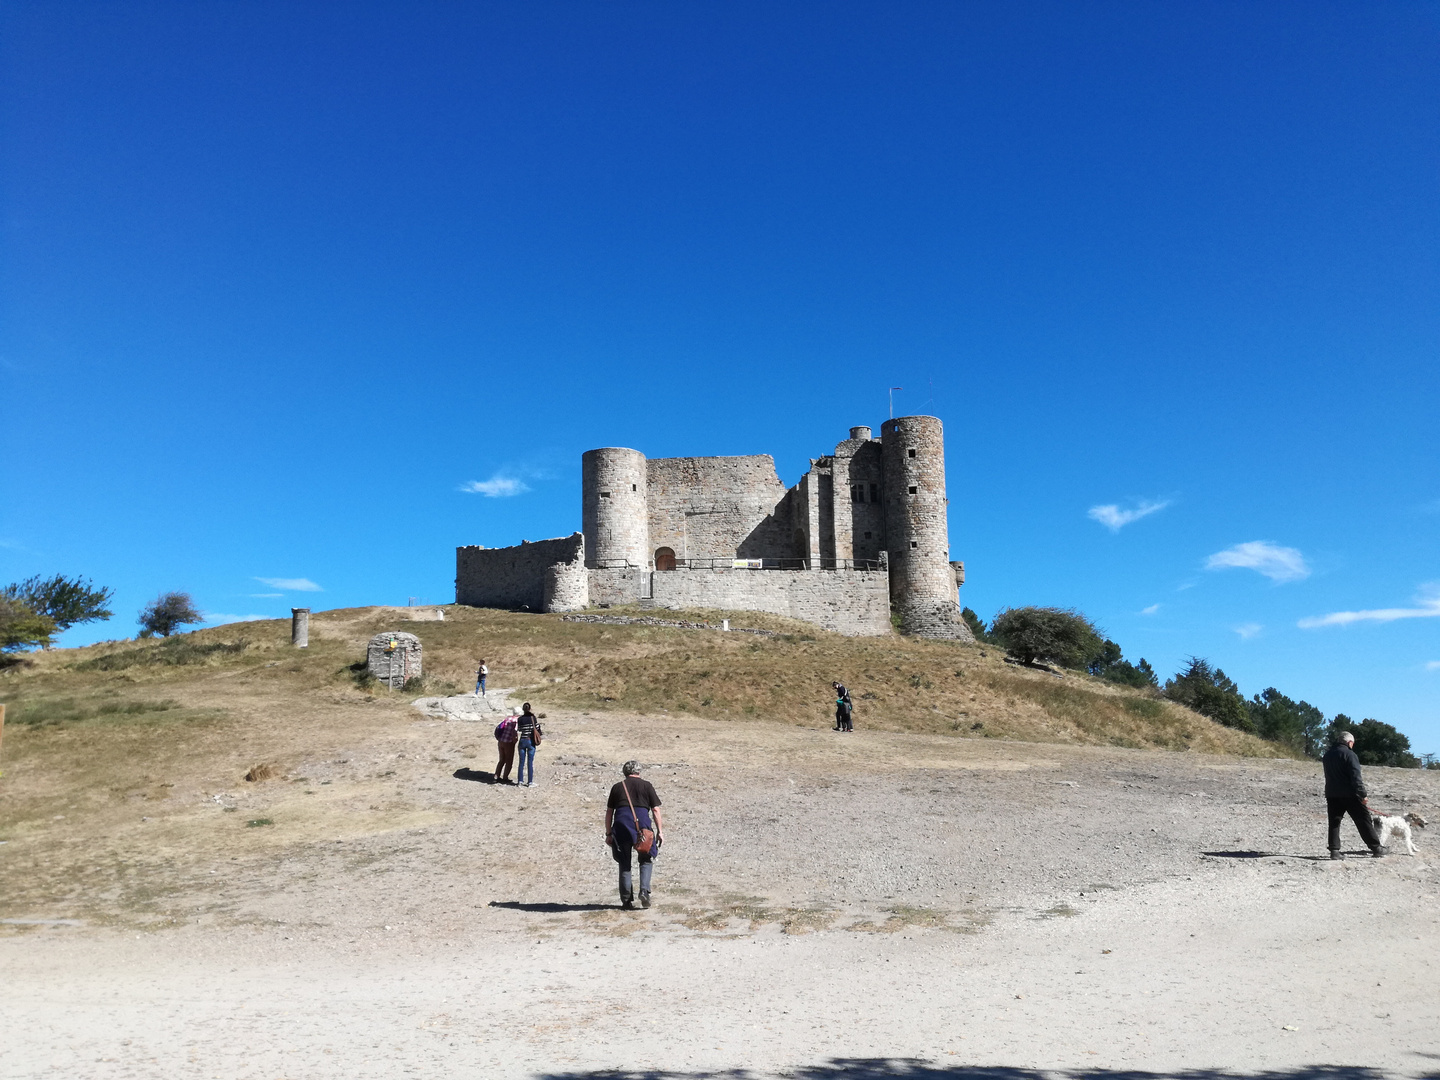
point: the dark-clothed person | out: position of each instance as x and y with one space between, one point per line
622 831
1345 794
844 708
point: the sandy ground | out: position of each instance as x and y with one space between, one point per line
827 906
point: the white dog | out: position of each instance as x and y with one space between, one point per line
1394 825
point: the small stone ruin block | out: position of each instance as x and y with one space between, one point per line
394 658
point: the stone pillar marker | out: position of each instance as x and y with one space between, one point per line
300 627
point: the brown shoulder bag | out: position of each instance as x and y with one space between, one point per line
647 836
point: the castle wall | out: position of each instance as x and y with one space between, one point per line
511 577
716 508
851 602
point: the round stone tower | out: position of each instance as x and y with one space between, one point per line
613 511
922 581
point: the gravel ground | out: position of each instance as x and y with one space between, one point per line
828 905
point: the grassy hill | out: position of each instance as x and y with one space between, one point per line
899 684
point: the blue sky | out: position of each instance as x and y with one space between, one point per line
279 281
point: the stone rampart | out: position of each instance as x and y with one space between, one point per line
851 602
512 577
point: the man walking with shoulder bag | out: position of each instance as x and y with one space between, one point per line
629 811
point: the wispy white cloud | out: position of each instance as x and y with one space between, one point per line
219 617
1151 610
1115 519
290 584
497 487
1427 606
1248 630
1433 665
1278 563
265 595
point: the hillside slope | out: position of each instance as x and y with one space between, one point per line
899 684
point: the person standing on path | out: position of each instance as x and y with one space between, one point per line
844 708
628 812
527 731
481 675
1345 794
505 738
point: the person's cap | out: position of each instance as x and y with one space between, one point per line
630 768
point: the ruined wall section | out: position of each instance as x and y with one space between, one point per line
850 602
922 581
512 577
716 507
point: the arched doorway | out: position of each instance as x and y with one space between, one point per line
664 558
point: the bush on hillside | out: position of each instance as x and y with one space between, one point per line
1112 666
1050 635
1207 690
167 613
21 626
976 625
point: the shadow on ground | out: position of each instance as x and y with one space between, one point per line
916 1069
1277 855
476 776
550 909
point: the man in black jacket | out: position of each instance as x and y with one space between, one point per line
1345 794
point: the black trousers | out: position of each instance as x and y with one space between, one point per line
1359 813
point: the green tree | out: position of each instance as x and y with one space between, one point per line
1297 724
1112 666
1378 743
65 601
1054 635
166 613
1207 690
976 624
22 627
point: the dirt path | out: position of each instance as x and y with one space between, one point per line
823 900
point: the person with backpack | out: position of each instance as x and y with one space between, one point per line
844 708
505 738
629 812
528 733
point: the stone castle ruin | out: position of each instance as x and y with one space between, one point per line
864 533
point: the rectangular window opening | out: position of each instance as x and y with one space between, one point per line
604 494
914 544
912 453
874 492
912 491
